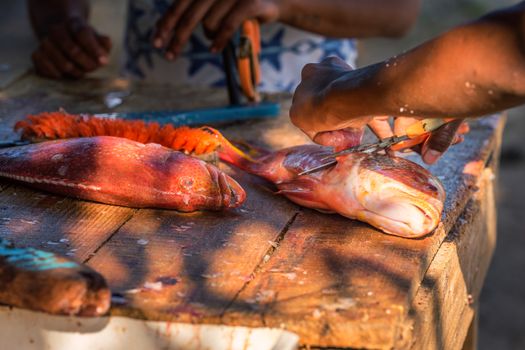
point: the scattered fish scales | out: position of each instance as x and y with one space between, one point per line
156 286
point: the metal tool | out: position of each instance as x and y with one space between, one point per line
202 116
13 143
417 131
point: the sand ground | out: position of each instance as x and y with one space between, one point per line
502 321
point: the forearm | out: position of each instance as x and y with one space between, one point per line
43 13
470 71
351 18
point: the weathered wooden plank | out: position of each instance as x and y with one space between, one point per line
189 267
238 241
443 313
337 282
57 224
471 342
333 280
445 304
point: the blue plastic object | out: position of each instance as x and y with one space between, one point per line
204 116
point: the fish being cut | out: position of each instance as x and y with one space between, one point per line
119 171
393 194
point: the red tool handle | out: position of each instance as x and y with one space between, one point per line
248 60
420 131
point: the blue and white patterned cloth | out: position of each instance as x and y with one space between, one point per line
285 50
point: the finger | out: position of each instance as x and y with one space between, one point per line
168 22
216 16
464 128
340 139
401 124
336 61
105 41
380 126
458 139
44 66
185 26
417 148
87 39
439 141
309 70
63 40
231 23
64 65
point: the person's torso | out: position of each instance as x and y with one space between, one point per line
285 50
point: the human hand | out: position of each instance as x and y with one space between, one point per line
328 117
320 117
220 19
432 147
70 50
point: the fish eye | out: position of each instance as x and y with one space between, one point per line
186 182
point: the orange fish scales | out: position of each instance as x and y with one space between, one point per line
60 125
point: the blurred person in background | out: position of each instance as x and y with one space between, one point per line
180 41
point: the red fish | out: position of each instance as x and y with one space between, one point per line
392 194
119 171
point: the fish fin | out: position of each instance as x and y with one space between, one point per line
228 152
299 187
252 150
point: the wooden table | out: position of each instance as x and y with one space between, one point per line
333 281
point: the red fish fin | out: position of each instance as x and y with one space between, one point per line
251 150
301 188
229 153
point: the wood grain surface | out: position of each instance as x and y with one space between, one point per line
334 281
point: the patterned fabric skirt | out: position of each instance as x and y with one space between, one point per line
285 50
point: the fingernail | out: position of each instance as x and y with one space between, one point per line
103 60
431 156
157 43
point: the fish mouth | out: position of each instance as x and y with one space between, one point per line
231 193
404 216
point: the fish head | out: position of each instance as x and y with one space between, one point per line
394 194
203 185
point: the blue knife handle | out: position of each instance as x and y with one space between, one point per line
207 115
